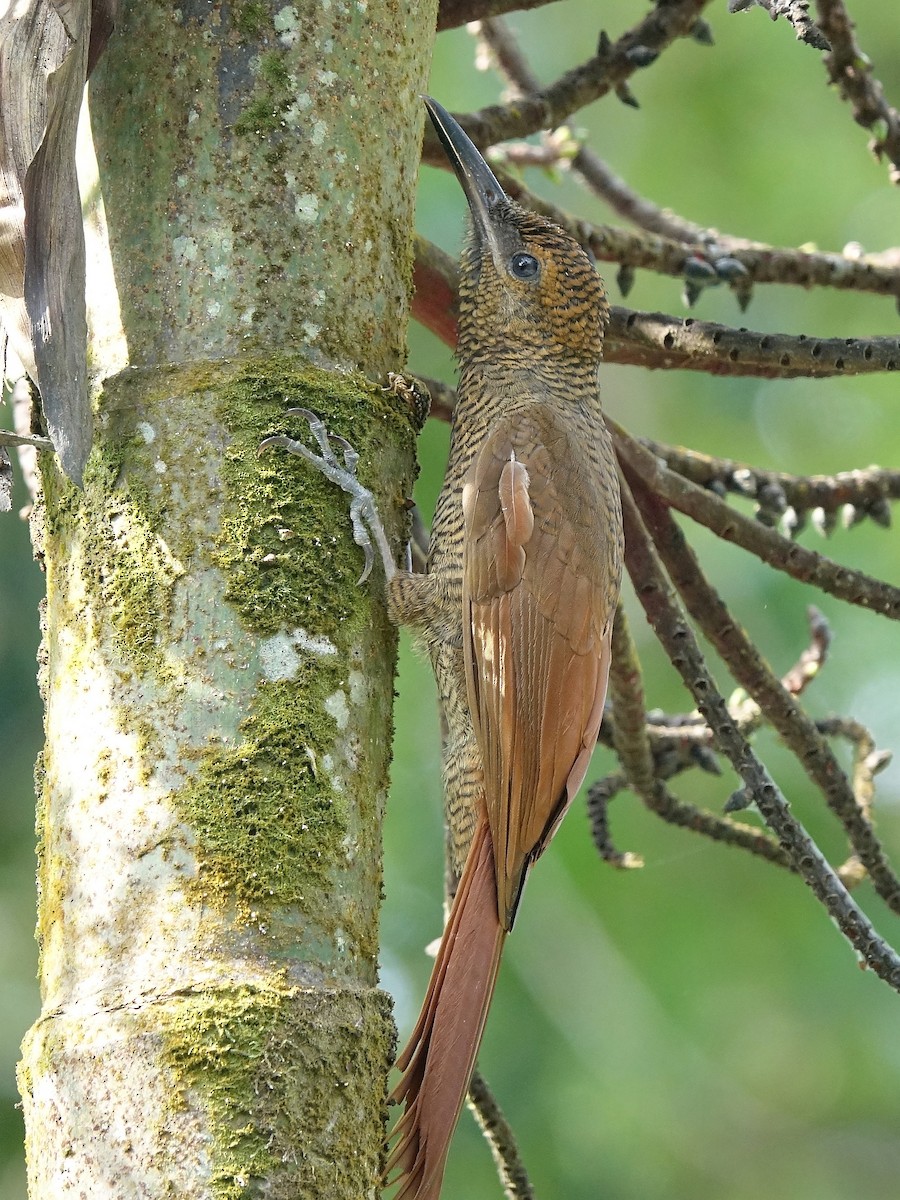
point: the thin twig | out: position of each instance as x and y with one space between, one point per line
7 438
867 759
851 70
501 1139
623 199
599 796
813 658
507 54
671 627
626 686
750 713
505 51
633 747
796 729
601 74
780 552
453 13
796 12
867 762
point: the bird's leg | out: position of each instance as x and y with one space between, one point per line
364 515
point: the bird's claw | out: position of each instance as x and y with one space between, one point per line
325 439
364 518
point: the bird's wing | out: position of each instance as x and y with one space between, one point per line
537 613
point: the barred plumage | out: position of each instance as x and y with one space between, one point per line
516 610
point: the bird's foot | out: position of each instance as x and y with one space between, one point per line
363 510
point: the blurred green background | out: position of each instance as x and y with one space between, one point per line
696 1028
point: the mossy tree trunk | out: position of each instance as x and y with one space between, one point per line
217 687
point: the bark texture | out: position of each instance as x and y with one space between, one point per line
218 689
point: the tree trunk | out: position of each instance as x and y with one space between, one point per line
217 687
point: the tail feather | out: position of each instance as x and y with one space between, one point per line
439 1058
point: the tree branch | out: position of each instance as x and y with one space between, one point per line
751 671
658 340
604 72
668 622
796 12
453 13
860 493
632 744
501 1139
851 71
761 263
706 508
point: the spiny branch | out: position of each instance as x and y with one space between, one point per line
748 667
632 743
780 552
709 260
658 340
674 633
788 498
796 12
851 71
606 71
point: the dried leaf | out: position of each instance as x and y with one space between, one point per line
45 47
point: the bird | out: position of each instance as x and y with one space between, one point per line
515 608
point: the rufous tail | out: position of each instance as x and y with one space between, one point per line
439 1058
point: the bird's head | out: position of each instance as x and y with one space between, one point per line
524 282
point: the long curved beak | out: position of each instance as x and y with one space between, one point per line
483 192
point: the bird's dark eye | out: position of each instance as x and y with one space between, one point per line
524 266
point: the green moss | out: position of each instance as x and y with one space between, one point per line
216 1051
272 832
250 18
264 111
123 566
260 116
273 69
284 544
269 825
283 1078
